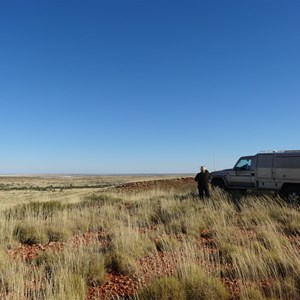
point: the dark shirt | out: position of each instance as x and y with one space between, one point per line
202 178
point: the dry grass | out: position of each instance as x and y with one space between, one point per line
213 249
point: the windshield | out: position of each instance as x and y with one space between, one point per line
244 163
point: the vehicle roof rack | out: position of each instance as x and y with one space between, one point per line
280 151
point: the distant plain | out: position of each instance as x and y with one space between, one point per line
19 189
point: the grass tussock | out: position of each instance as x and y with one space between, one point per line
167 244
164 288
43 210
199 285
120 263
29 234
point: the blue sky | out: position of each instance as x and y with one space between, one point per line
146 86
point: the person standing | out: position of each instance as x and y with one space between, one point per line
203 182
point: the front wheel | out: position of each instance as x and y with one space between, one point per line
219 184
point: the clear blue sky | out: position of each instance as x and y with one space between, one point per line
146 86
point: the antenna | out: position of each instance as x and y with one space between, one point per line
214 160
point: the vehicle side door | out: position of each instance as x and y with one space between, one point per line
265 171
244 173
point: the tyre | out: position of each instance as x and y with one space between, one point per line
292 194
239 192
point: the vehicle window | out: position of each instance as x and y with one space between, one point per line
288 162
243 164
265 160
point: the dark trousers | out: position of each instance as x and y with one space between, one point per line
203 191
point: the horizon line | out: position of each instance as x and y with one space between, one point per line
96 174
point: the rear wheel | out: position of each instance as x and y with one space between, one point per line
292 194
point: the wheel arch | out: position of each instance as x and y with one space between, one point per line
217 181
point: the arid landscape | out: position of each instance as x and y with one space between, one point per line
67 188
143 237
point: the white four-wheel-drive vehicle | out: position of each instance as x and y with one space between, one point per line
267 171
